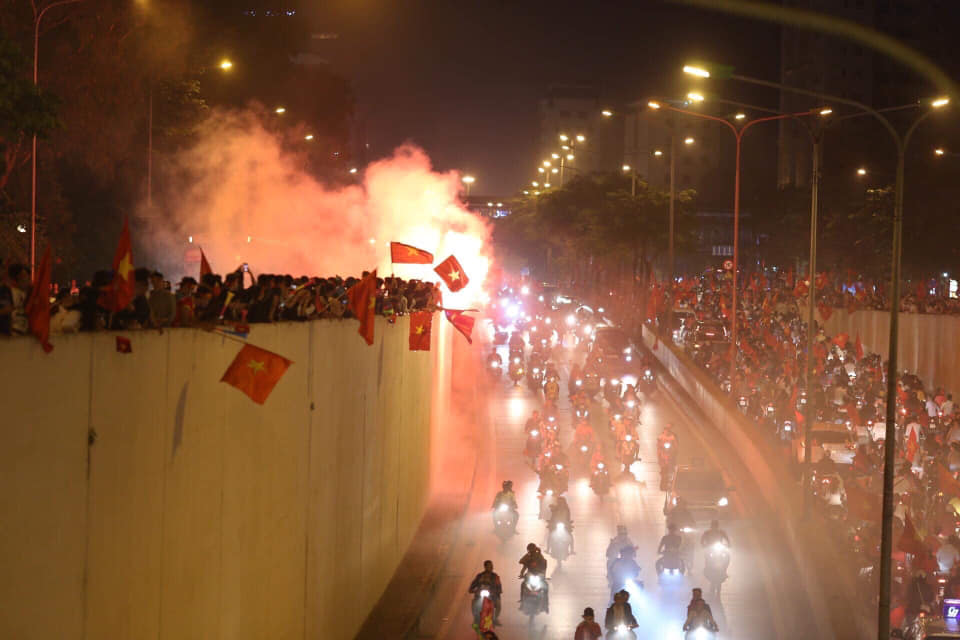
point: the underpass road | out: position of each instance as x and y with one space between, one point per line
745 608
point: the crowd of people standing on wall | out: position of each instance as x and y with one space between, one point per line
235 298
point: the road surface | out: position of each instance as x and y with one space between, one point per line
745 609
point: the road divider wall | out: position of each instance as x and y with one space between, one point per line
829 594
144 499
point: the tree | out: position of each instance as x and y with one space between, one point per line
25 110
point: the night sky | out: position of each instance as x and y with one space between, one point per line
463 78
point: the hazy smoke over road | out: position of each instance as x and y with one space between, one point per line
244 198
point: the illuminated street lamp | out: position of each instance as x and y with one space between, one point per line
541 170
653 104
693 96
535 183
939 152
580 138
554 170
353 170
901 141
468 180
861 171
688 140
696 71
606 113
564 137
658 153
280 110
226 64
547 185
570 156
826 111
308 137
555 156
546 163
740 116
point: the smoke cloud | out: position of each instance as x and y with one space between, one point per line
242 197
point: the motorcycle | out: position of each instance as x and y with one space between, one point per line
477 606
667 457
535 597
621 632
648 381
560 542
600 480
494 369
715 565
504 521
624 573
628 450
700 632
535 378
534 446
670 563
516 370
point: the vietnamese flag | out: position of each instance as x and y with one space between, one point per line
405 254
124 345
38 304
486 615
452 274
841 340
912 446
363 303
463 324
204 265
256 371
120 292
859 347
420 324
909 542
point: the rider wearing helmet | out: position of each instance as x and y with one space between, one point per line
616 544
532 562
619 613
699 614
507 497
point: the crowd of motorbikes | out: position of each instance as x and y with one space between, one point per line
590 389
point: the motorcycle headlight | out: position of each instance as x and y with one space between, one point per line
628 438
719 546
648 372
631 404
722 502
571 320
560 526
559 467
547 321
536 370
549 492
534 433
629 358
484 594
666 445
701 634
503 507
583 448
533 581
621 628
578 382
627 350
493 364
516 361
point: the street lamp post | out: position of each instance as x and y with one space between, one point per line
889 445
738 133
33 154
468 180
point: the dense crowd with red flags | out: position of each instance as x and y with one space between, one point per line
129 298
847 398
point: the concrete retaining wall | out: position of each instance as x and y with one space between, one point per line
196 513
929 345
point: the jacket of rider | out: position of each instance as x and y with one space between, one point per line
505 497
490 580
616 544
670 542
619 613
712 536
588 631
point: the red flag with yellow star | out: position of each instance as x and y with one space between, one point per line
452 274
363 304
256 371
405 254
420 324
462 323
38 304
120 292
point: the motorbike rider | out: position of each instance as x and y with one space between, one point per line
508 497
671 542
560 512
667 435
621 541
533 422
532 562
620 613
490 581
551 390
516 342
494 359
699 613
588 629
713 535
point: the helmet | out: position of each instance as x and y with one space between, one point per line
531 547
507 485
697 592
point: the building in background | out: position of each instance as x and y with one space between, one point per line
487 206
577 110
